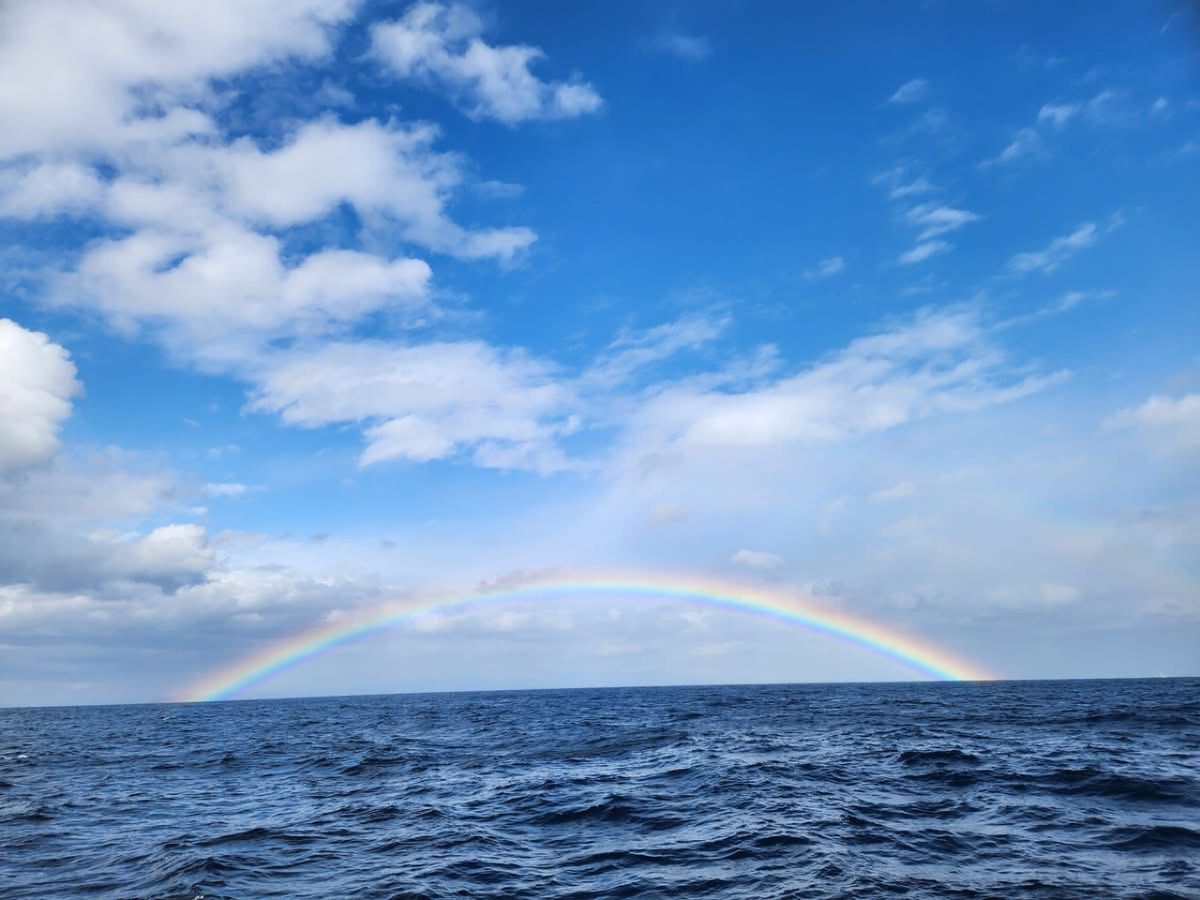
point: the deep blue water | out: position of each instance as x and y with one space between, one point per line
1018 789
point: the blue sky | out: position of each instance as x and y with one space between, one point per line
310 305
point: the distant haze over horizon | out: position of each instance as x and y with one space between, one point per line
283 698
312 306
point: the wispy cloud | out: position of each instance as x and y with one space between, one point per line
924 251
901 490
1026 142
1057 252
756 559
225 489
634 350
826 268
934 219
911 189
1058 114
938 362
1064 304
1107 107
687 47
910 92
901 182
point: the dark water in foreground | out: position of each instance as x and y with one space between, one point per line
1034 789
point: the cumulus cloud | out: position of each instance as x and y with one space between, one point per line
1169 424
1057 252
219 299
196 224
169 556
114 71
391 170
425 402
37 384
54 507
442 45
48 189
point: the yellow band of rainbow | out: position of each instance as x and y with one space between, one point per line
919 656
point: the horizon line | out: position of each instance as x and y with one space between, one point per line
610 687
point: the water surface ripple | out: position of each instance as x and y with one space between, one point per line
1010 789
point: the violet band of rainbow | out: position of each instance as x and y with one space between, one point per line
918 655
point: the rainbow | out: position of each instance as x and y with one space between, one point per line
917 655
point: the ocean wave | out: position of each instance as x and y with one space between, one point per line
1017 789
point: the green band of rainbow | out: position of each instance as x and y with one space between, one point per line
917 655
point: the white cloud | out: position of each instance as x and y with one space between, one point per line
1067 302
910 92
1058 113
37 382
86 487
688 47
827 268
225 489
391 174
170 555
1026 142
1057 252
633 351
937 363
666 514
217 299
195 249
901 183
112 70
1169 424
442 45
424 402
48 189
391 170
830 512
934 219
756 559
924 251
1056 595
1109 107
54 505
898 491
911 189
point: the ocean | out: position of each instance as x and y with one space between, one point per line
1003 789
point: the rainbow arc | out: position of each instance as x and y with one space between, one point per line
919 656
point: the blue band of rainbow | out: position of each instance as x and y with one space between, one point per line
919 656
